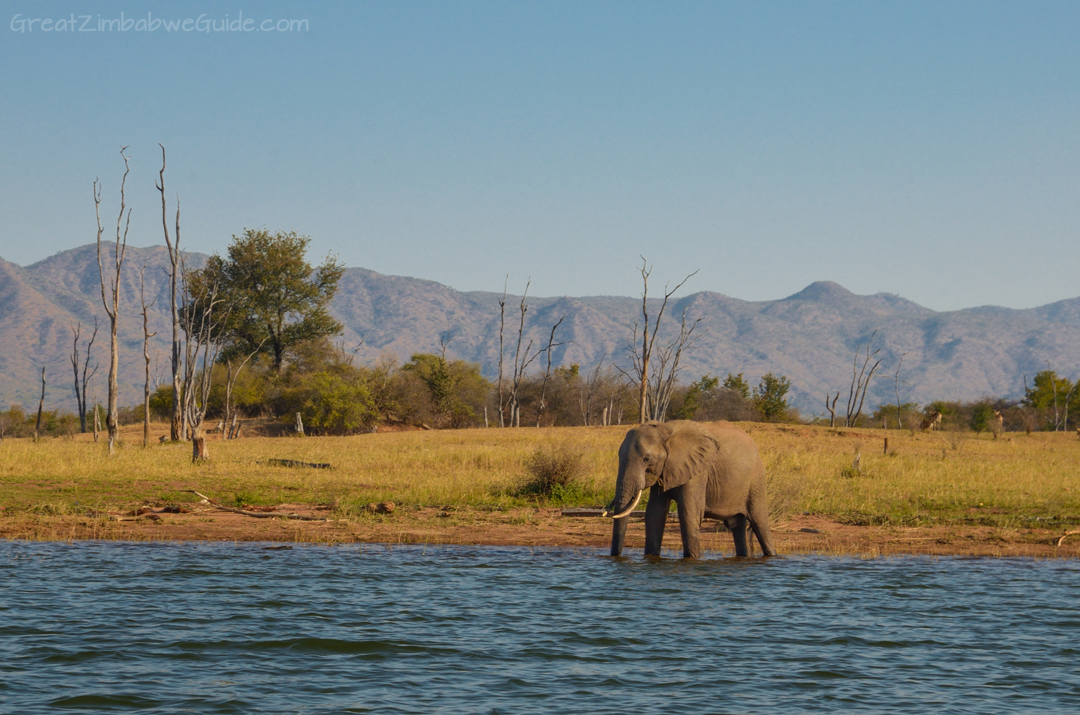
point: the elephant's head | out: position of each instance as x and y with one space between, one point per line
670 453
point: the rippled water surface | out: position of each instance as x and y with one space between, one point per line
263 628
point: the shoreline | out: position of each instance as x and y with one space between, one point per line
1013 496
535 527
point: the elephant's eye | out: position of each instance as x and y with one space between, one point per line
646 459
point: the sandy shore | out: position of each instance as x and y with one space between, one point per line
531 527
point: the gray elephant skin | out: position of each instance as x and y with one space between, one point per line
711 470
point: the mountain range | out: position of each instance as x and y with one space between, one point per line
810 336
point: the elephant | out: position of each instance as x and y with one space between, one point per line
710 469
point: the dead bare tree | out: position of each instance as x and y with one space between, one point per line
642 356
522 360
551 344
87 373
444 342
1053 384
589 390
614 390
896 387
146 354
502 325
662 383
1068 397
860 381
40 406
345 355
97 413
230 382
203 315
832 407
176 422
112 302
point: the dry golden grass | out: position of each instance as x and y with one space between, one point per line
928 478
965 478
474 467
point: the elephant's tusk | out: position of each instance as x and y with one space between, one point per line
628 509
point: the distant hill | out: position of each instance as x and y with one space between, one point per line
809 336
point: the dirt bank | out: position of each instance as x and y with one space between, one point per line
530 527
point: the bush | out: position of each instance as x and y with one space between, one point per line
330 404
707 401
456 389
17 423
770 397
160 403
982 415
554 472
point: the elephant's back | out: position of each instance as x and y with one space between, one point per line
738 462
733 438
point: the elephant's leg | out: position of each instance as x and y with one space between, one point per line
691 511
737 526
656 512
759 522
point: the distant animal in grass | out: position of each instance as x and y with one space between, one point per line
932 422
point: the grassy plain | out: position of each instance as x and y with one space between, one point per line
1012 487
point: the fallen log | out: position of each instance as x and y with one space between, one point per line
295 463
256 514
152 516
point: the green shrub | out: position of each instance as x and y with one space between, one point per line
331 404
555 472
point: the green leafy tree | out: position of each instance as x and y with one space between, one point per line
568 374
981 415
888 413
333 404
770 396
456 388
275 298
738 384
1052 396
1042 392
692 398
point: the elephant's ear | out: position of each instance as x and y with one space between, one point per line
690 452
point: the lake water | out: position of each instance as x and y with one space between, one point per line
224 628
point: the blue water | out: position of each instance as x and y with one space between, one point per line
224 628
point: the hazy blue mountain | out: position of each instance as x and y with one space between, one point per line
809 336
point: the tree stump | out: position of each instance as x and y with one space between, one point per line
199 450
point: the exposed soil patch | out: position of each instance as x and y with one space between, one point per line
531 527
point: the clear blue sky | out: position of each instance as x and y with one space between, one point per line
929 149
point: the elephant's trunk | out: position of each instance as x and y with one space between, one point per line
626 512
618 535
628 489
